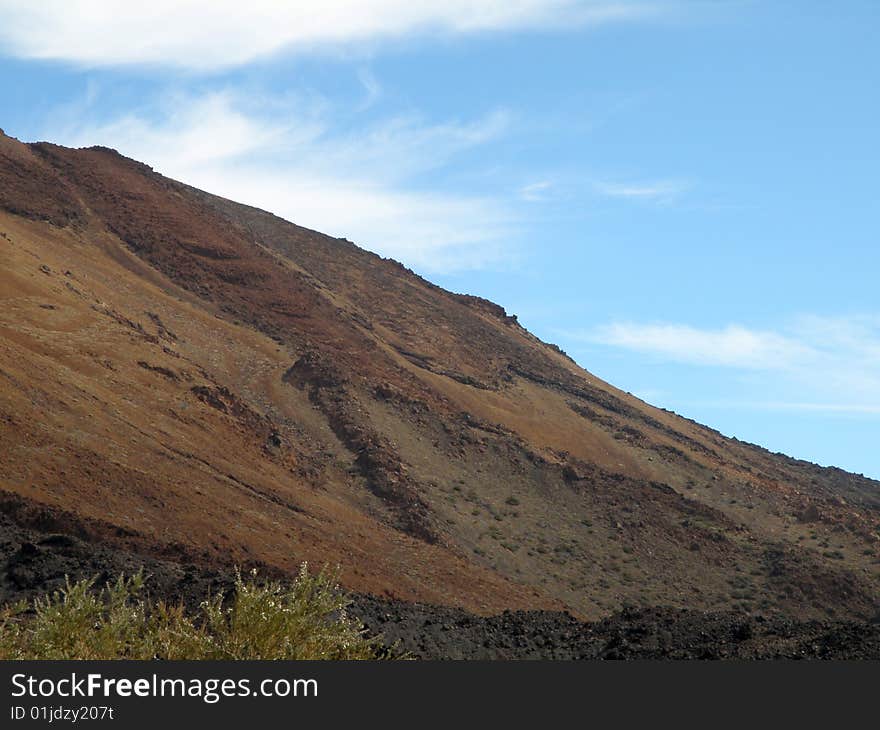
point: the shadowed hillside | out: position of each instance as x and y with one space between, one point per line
186 378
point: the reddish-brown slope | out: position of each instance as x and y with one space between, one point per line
212 378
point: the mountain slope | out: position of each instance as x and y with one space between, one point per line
183 375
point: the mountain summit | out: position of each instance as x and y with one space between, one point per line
187 378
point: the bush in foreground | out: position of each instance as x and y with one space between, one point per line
303 620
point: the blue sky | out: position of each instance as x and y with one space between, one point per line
682 195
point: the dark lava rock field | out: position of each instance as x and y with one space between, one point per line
33 562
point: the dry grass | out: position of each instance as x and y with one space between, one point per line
304 620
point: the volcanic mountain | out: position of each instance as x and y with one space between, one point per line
184 378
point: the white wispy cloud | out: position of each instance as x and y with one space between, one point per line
828 364
848 409
287 156
535 192
210 34
372 88
731 346
660 190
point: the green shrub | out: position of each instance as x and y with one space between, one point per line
306 619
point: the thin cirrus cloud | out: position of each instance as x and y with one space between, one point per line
858 409
732 346
823 364
661 190
536 192
286 156
213 34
